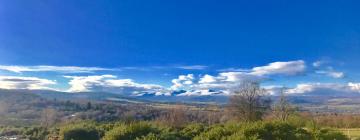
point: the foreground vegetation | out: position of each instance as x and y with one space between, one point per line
250 115
275 130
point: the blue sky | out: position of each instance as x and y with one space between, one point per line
154 42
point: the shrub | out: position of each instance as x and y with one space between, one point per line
192 130
81 131
327 134
130 132
254 131
215 133
170 134
36 133
150 136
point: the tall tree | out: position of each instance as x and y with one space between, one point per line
48 117
283 109
249 102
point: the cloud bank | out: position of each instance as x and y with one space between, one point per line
325 89
226 81
206 84
110 83
190 84
31 83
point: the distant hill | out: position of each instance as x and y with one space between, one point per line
314 102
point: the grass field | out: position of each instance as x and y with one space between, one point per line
353 133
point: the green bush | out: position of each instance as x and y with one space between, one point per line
327 134
260 130
129 132
170 134
192 130
274 131
36 133
256 130
81 131
215 133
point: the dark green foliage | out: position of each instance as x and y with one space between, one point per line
260 130
192 130
266 131
214 133
327 134
81 131
129 132
36 133
167 133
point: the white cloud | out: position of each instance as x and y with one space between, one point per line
183 81
32 83
354 86
287 68
203 92
209 84
333 74
85 83
110 83
325 88
238 77
225 81
282 68
44 68
207 79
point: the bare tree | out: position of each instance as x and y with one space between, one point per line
48 117
3 107
176 116
283 109
249 102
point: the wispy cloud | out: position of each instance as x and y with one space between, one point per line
319 63
45 68
192 67
234 69
324 68
78 69
169 67
333 74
